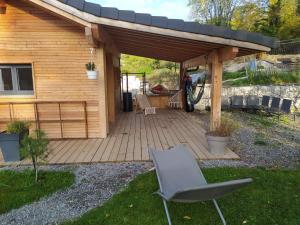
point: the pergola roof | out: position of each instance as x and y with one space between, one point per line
158 37
173 24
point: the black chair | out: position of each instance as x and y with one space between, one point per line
237 102
225 104
286 106
253 103
275 105
265 102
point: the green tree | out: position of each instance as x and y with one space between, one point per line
136 64
289 19
34 147
279 18
246 17
217 12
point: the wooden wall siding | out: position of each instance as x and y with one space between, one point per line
59 51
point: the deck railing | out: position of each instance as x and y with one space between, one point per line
47 112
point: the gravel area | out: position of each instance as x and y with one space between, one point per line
94 185
274 151
276 145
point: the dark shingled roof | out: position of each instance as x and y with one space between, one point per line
174 24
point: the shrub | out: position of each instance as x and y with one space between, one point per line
18 127
227 127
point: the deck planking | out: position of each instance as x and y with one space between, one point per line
131 137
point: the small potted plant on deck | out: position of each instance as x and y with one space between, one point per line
219 139
91 71
10 140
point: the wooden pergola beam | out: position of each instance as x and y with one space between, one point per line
227 53
97 36
200 60
90 36
224 54
2 6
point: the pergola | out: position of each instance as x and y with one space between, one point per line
188 43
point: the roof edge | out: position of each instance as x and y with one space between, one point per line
94 13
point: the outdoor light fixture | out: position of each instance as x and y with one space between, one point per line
2 7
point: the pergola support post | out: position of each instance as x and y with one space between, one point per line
216 90
215 63
2 6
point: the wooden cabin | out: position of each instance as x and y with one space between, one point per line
45 44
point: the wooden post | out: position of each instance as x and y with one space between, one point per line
111 88
181 83
102 88
209 68
2 7
86 120
60 121
216 91
215 62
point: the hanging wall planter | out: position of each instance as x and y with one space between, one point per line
92 75
91 72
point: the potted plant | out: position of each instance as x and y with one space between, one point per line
91 70
219 139
10 140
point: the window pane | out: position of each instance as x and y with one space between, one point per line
25 81
6 83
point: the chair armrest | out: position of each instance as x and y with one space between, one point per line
209 191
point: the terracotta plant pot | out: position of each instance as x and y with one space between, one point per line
217 145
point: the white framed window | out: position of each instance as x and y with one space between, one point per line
16 79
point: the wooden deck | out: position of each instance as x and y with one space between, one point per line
132 135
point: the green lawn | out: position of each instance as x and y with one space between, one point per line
273 199
233 75
19 188
279 78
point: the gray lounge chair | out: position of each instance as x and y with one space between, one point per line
181 180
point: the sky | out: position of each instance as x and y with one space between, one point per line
174 9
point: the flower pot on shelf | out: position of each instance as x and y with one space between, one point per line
10 146
92 75
217 145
